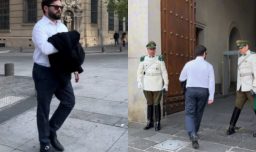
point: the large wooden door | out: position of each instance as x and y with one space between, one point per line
178 41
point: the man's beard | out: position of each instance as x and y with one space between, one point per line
56 16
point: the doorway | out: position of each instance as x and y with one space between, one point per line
233 36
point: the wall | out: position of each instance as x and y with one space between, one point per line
19 35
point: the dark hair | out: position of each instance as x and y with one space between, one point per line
47 3
200 49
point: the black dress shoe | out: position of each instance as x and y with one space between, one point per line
230 131
46 148
55 142
254 134
195 144
194 139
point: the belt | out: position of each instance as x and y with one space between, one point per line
152 74
245 74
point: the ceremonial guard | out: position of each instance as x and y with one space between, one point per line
246 82
153 79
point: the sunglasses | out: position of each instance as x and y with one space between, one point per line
56 7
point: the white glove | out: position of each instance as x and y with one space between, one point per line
165 88
254 90
140 86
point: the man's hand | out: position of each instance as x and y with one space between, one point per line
165 88
76 76
254 90
210 102
140 86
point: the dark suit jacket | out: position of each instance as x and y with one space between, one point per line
70 55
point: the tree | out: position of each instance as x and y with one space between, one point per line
120 7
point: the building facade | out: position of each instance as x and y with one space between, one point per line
89 17
216 24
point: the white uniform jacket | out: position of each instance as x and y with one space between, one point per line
152 73
246 72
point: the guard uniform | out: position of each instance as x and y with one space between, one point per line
152 75
246 83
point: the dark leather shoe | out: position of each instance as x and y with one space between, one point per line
254 134
230 131
194 139
46 148
195 144
55 143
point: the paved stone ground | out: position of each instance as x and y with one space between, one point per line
15 85
173 136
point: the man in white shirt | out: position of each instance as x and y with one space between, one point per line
153 79
47 81
246 83
200 88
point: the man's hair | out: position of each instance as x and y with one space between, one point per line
47 3
200 49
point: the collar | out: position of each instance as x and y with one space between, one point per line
247 53
46 19
151 57
199 58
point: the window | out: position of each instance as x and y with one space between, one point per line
111 20
4 15
94 11
30 11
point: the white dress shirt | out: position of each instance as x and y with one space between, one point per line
42 30
199 73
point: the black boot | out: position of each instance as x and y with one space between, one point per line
150 122
158 117
194 140
254 133
234 118
55 142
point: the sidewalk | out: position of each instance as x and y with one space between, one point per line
98 122
107 49
173 137
89 50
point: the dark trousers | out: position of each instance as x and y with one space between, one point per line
123 43
116 42
47 84
195 101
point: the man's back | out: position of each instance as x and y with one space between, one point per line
199 73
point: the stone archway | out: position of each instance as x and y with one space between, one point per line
233 36
72 16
